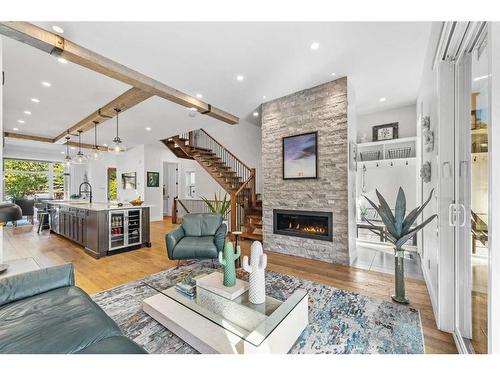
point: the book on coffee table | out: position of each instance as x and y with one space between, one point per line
214 283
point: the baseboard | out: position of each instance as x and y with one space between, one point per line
432 294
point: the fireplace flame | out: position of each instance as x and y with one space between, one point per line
309 228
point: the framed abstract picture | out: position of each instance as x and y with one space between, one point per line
153 179
129 180
300 156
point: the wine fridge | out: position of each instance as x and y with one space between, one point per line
125 228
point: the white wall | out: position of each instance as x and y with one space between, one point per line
244 140
131 161
98 176
387 178
405 116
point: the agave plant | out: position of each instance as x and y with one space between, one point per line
218 206
399 230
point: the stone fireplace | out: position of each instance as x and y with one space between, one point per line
308 217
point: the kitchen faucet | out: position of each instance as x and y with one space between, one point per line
89 192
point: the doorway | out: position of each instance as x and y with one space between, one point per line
170 186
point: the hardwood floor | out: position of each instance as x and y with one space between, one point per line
94 275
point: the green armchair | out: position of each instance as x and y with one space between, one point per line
200 236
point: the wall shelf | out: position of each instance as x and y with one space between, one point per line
393 149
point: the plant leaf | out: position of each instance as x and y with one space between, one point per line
399 211
401 241
384 206
389 223
413 215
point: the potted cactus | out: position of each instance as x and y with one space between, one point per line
400 230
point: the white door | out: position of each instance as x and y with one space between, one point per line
472 126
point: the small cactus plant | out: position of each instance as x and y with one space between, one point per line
258 263
227 259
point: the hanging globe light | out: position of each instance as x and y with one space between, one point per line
67 159
117 147
80 158
95 154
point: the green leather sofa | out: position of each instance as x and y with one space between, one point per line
44 312
200 236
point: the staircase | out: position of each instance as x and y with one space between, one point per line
234 176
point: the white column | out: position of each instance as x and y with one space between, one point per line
494 211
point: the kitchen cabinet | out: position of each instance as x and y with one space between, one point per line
102 232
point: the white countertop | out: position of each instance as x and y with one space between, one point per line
94 206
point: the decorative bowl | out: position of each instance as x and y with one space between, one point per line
136 203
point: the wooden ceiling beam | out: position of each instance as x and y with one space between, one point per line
54 44
125 101
37 138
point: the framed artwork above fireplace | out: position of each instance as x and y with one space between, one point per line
300 156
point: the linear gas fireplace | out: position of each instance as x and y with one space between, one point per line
307 224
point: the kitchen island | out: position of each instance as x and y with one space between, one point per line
101 228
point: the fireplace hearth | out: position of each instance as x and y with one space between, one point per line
307 224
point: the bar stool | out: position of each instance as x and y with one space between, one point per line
43 216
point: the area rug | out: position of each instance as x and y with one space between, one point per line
340 322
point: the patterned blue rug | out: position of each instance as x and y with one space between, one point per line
340 322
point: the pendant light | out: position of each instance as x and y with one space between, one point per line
96 153
67 159
80 158
118 146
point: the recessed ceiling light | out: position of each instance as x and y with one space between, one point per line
62 152
314 46
105 145
35 100
148 128
62 60
58 29
46 84
73 147
20 121
27 112
333 74
240 78
263 97
193 109
381 100
255 114
15 129
199 96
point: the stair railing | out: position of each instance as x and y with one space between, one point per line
241 198
192 206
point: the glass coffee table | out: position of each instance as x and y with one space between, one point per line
211 323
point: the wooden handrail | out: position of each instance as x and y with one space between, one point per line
229 152
252 175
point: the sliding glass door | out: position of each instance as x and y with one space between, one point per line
471 210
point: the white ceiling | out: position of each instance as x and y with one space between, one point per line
382 59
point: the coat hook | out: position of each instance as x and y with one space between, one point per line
392 164
377 164
475 158
407 162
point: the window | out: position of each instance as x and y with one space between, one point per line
27 178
